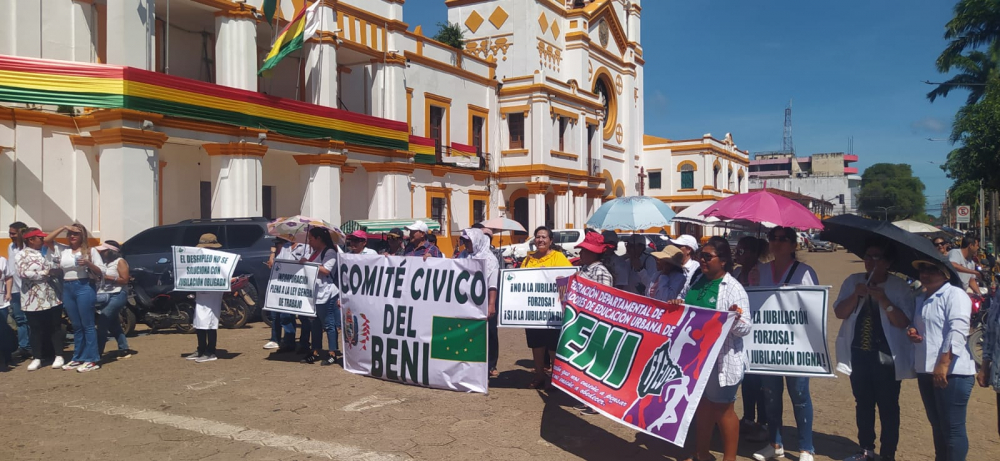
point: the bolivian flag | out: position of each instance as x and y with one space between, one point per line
291 38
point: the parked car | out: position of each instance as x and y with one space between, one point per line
247 237
815 244
567 239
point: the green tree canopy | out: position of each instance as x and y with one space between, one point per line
890 191
977 133
450 34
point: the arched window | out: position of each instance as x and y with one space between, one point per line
687 177
716 172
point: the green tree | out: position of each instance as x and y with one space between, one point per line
976 23
890 191
450 34
976 132
975 69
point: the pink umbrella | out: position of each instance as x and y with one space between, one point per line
763 206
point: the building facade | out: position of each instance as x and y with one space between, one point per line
127 114
828 177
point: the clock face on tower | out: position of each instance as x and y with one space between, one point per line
602 32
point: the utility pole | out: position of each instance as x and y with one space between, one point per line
982 213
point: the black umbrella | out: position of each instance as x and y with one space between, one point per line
853 231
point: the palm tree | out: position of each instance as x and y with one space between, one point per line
976 69
976 23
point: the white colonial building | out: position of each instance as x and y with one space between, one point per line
127 114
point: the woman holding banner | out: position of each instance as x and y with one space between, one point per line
477 246
872 347
324 253
785 270
542 341
714 288
750 252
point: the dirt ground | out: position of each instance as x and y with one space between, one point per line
252 404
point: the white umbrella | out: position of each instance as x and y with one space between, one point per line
503 224
915 227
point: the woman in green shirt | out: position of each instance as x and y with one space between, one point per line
714 288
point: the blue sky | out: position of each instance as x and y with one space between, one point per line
852 68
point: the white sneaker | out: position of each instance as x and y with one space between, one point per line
770 452
89 366
34 365
72 365
805 456
194 356
206 358
58 363
271 345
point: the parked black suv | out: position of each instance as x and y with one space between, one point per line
247 237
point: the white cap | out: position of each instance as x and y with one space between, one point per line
686 241
418 226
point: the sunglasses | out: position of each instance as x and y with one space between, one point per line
73 234
780 238
704 256
940 244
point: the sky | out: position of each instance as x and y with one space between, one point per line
853 68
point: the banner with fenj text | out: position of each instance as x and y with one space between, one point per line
789 331
203 269
529 298
292 288
415 321
637 360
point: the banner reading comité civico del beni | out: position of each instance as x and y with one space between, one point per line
639 361
414 321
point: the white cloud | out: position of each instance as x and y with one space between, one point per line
929 125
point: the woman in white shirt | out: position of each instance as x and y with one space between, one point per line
944 366
78 262
116 278
872 348
785 270
41 304
324 253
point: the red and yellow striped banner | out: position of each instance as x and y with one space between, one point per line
423 149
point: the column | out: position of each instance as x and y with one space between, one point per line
130 33
321 62
26 181
580 201
536 204
128 160
321 185
389 183
395 87
236 49
595 200
561 213
21 23
236 179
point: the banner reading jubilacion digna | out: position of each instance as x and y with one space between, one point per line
789 331
639 361
414 321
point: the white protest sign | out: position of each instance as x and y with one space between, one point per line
203 269
529 298
789 331
414 321
292 288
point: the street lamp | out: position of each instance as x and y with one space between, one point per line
885 211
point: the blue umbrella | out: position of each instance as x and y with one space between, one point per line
631 213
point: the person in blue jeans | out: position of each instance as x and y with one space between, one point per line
785 270
324 253
945 369
283 323
78 261
116 276
23 332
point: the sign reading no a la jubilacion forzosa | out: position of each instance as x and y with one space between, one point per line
639 361
414 321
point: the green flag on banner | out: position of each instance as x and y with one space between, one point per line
459 340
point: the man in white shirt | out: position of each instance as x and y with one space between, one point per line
963 261
688 245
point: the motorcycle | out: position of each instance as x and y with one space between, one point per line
154 302
237 303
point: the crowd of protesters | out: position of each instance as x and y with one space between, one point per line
889 331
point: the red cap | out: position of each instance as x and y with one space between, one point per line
35 233
593 242
359 234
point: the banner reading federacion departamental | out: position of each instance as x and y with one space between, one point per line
789 331
529 298
414 321
639 361
203 269
292 288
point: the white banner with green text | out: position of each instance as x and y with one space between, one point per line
292 288
415 321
